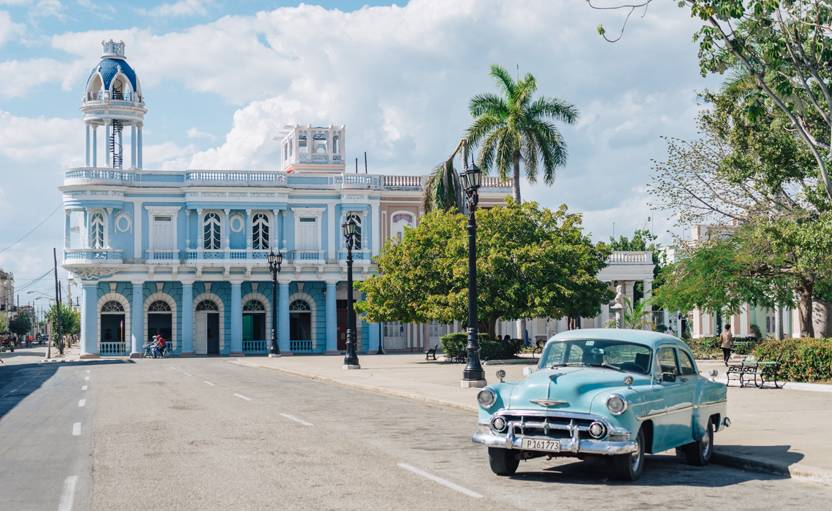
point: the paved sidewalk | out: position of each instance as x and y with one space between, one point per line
781 431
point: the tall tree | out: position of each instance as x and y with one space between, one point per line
531 262
21 324
514 127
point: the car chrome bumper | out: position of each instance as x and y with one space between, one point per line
574 445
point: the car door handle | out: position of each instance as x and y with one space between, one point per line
683 379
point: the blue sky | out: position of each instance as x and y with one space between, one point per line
221 78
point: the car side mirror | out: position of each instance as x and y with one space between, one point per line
528 370
668 377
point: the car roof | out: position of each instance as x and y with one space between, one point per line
646 337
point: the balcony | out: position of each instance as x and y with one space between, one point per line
362 256
107 256
234 178
306 256
99 176
155 256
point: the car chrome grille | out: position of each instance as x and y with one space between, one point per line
551 426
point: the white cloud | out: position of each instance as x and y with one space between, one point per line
54 140
9 30
180 8
195 133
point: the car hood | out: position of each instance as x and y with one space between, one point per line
567 388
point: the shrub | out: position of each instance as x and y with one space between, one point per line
806 360
453 345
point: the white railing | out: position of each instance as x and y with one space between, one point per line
622 257
253 346
301 346
403 182
306 256
112 348
157 256
235 178
495 182
92 255
94 175
357 255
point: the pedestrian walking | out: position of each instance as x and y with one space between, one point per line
727 343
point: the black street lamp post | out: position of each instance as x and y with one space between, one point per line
350 230
473 375
275 260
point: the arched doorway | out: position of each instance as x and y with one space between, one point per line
300 326
159 321
112 329
207 322
254 326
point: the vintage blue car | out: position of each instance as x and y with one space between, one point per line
603 392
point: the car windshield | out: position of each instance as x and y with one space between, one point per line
613 355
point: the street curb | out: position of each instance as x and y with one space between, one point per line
729 460
794 472
367 388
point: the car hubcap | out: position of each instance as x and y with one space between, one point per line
706 445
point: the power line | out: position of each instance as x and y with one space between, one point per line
30 284
33 229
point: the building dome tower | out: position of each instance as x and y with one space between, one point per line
114 102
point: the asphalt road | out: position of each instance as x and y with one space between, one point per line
207 434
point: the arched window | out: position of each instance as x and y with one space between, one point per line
356 218
254 321
211 232
159 306
96 230
300 321
112 307
398 223
260 231
207 305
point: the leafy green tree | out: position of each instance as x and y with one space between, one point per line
70 323
21 324
514 127
531 262
785 50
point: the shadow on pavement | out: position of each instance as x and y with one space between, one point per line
17 381
777 455
660 470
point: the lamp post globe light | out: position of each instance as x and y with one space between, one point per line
275 261
350 231
473 375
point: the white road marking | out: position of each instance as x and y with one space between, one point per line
206 382
86 378
437 479
83 387
76 429
82 403
172 367
186 373
293 418
242 397
88 371
68 494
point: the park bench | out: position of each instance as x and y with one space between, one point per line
431 353
754 372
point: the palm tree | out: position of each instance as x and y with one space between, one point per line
636 316
513 127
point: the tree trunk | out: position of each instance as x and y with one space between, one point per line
515 179
820 318
491 327
805 308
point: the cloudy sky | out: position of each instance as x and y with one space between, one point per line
220 78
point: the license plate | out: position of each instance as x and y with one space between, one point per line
536 444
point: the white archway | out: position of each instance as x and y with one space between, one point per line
221 309
164 297
125 304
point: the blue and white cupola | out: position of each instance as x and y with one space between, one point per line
113 101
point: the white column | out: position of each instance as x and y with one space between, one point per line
743 329
629 292
89 320
648 293
332 238
138 213
107 156
95 146
87 146
605 314
139 149
375 218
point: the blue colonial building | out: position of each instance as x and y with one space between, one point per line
183 253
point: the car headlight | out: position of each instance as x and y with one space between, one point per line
486 397
616 404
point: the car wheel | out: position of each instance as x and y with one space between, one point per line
628 467
699 453
503 461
